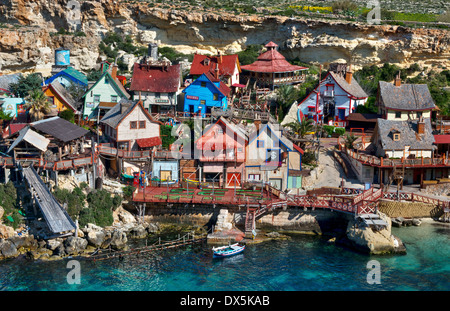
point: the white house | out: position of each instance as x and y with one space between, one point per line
130 127
337 95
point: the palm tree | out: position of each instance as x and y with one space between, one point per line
301 128
349 140
287 94
37 105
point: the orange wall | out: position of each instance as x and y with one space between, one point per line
59 104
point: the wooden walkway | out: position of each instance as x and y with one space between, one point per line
55 215
187 239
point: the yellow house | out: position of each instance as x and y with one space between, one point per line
59 98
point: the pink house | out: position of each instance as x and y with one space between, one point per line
221 153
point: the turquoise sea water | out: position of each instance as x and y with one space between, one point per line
301 264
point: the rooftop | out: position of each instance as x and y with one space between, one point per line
160 79
406 96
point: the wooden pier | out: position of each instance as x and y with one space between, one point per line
187 239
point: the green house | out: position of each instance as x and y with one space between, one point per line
103 95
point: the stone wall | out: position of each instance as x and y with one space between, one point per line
406 209
315 221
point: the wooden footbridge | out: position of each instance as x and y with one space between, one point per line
56 217
185 240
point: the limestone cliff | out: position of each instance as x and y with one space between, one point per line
26 44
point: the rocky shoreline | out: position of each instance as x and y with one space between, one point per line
127 227
89 239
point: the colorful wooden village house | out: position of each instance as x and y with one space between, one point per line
336 96
206 92
59 98
157 84
103 95
228 66
221 153
272 158
271 69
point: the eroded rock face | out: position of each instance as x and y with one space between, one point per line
371 241
29 46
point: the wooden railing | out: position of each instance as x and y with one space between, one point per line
53 165
375 161
414 197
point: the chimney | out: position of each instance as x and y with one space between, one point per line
421 126
114 71
153 51
219 57
397 80
216 72
348 75
123 108
257 123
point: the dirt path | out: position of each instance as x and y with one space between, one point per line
329 173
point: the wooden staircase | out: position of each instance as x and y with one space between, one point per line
256 211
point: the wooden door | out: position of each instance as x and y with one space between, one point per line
233 179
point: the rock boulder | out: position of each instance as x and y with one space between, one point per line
7 249
74 245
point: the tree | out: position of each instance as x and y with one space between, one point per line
349 140
250 54
301 129
287 94
26 84
37 105
68 115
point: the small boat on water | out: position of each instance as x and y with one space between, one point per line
228 250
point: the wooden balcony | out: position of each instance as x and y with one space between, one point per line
382 162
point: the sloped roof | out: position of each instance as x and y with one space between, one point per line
406 96
240 132
363 117
408 135
7 80
13 128
116 114
156 79
149 142
203 63
224 89
272 61
441 139
76 74
115 82
63 94
59 128
276 131
353 88
31 137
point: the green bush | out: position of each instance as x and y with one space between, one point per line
128 192
101 205
329 129
308 158
75 200
68 115
8 198
340 131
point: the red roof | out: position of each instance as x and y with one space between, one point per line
155 79
13 128
272 61
298 149
441 139
224 89
203 63
149 142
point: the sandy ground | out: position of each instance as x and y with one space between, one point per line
329 173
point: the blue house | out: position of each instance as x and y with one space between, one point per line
67 77
205 92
